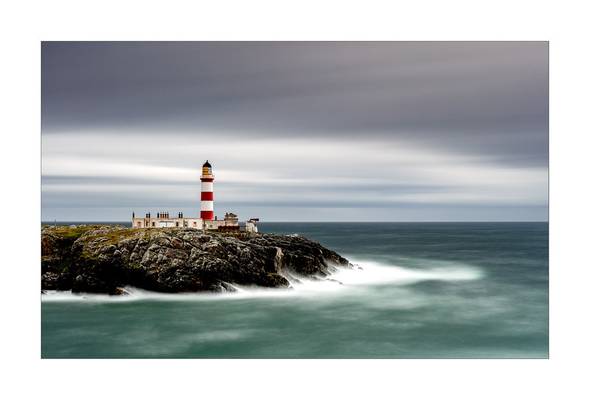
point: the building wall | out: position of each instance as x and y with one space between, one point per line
251 227
216 223
195 223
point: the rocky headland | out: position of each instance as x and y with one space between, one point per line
104 259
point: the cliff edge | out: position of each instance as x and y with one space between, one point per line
103 259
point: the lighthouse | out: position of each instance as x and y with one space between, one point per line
206 221
207 192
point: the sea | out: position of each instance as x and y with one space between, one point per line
418 290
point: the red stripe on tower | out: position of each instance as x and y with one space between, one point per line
208 215
207 196
207 192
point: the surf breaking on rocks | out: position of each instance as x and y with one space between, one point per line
362 276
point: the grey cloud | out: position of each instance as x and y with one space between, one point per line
486 100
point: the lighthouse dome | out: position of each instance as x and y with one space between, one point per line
207 170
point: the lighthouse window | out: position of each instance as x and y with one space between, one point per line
177 224
153 224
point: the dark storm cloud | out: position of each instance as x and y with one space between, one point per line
489 97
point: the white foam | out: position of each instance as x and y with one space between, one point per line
373 273
345 280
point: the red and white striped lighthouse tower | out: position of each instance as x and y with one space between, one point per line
207 192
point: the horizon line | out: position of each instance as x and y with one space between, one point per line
328 222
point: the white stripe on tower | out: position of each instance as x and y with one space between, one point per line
207 187
206 205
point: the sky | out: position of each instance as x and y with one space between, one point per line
296 131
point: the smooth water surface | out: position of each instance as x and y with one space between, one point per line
423 290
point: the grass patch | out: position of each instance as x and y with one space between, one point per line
70 232
114 236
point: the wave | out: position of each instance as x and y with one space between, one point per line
364 274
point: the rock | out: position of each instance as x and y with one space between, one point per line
90 283
50 280
103 259
121 292
176 243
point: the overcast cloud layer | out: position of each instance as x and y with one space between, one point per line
297 131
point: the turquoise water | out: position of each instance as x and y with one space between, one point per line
425 290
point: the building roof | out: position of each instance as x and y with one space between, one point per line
207 164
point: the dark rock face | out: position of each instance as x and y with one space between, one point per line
102 259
